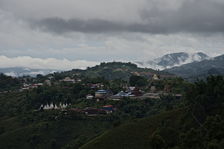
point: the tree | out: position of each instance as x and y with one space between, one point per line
204 96
157 141
8 83
192 139
138 81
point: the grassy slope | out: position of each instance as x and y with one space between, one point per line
11 103
42 134
135 135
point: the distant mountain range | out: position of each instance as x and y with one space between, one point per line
188 66
110 71
212 66
174 59
21 71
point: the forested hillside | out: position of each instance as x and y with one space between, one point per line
201 70
116 70
64 111
199 124
8 83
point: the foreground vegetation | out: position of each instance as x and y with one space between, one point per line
67 129
198 125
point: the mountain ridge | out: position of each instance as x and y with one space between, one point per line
202 69
116 70
174 59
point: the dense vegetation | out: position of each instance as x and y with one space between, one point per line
198 125
194 121
8 83
138 81
22 127
115 70
203 69
23 123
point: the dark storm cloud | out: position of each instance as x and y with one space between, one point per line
193 16
59 25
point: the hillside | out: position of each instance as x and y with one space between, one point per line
196 126
201 69
116 70
48 132
24 124
167 122
8 83
136 134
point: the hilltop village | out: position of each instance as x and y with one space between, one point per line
70 86
138 88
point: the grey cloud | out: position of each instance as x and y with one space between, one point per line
127 30
59 25
193 16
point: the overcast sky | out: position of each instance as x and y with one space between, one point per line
65 34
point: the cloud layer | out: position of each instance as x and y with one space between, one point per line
147 16
49 63
107 30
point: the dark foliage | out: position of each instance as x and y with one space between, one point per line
8 83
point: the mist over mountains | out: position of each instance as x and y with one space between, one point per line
23 71
202 69
173 60
183 64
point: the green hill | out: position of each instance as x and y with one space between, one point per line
46 134
195 121
170 130
202 69
115 70
200 125
8 83
136 134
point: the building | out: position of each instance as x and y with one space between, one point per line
151 96
76 110
122 94
47 82
68 79
178 96
93 111
153 89
136 92
108 108
102 94
167 88
155 77
52 106
89 96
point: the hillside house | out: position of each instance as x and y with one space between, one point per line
53 106
68 79
151 95
136 92
155 77
108 108
153 89
93 111
47 82
89 96
102 94
121 95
